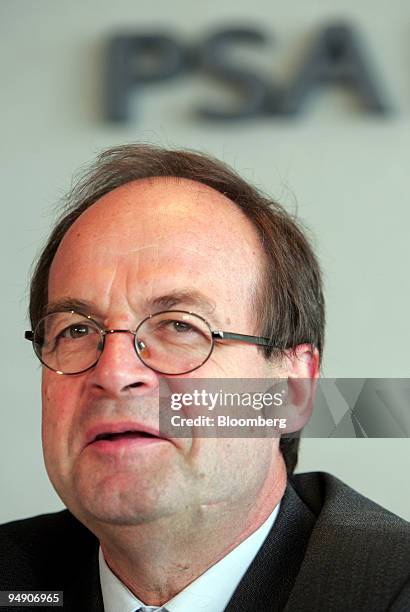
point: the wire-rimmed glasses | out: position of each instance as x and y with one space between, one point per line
171 342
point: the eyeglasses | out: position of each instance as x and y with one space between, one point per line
168 342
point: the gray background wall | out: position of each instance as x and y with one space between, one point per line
347 172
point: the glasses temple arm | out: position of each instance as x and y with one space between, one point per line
222 335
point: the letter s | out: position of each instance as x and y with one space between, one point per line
252 88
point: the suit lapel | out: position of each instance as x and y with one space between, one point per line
269 580
84 593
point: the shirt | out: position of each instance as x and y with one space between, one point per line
210 592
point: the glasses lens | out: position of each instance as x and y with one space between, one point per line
67 342
174 342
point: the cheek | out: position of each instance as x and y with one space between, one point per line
58 403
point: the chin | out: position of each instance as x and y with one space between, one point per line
117 502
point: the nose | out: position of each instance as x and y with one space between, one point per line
119 371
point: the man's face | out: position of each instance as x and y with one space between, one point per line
148 246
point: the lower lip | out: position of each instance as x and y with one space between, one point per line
121 444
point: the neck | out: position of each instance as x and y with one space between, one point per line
158 559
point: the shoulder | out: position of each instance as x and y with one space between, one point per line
45 531
40 549
331 499
356 549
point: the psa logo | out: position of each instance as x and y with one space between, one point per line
336 56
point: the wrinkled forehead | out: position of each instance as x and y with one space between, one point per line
159 227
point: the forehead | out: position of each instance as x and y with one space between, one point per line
154 235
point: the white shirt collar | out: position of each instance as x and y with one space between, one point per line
210 592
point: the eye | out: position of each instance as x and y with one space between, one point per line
181 326
173 327
182 329
73 332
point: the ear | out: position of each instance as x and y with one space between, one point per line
301 368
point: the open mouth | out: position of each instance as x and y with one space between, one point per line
115 436
124 435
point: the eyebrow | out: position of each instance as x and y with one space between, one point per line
68 303
186 297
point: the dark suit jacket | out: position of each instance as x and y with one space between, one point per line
329 550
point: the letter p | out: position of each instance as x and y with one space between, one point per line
133 61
